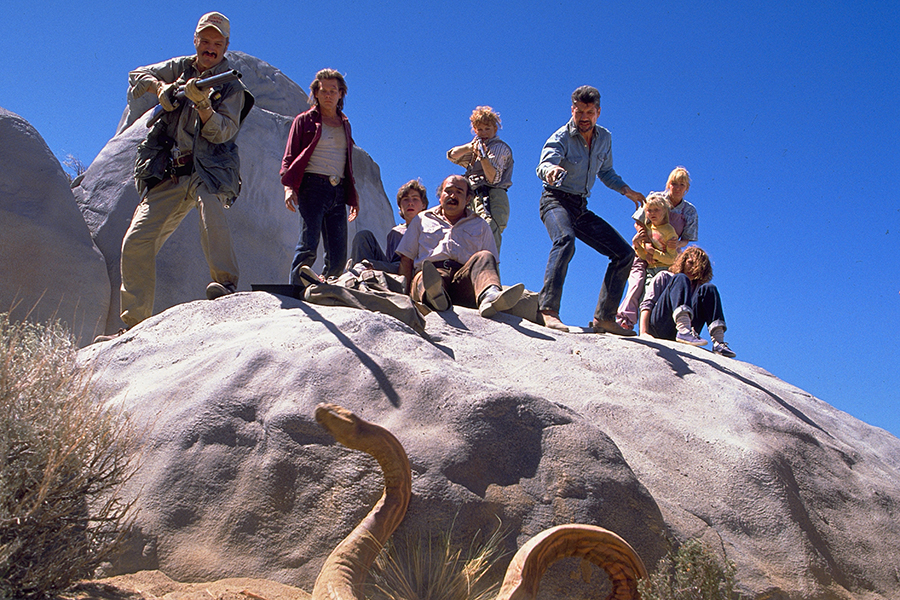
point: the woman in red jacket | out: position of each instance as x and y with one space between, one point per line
317 174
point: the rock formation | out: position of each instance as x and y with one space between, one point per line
49 267
264 232
501 418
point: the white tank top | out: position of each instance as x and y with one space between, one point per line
330 154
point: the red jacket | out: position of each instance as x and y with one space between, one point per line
302 139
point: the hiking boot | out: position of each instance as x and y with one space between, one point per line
494 300
551 320
722 349
217 290
435 294
690 337
612 327
306 276
111 336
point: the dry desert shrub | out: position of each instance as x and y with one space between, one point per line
63 458
693 572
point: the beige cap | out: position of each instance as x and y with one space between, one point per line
215 20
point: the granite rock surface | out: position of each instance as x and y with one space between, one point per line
49 266
504 421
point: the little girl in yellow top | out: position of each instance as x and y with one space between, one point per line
652 255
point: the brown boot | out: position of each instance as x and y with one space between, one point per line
551 320
435 295
612 327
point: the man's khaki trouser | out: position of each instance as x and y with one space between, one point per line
154 220
465 283
498 216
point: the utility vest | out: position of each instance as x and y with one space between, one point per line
217 165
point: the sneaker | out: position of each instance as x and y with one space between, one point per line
217 290
435 294
611 327
722 349
495 300
111 336
691 338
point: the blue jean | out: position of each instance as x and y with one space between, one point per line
366 247
704 304
322 213
566 218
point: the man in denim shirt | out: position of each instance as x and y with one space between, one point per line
570 159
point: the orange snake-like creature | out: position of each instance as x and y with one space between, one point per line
346 568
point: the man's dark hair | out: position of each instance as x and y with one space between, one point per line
587 94
407 187
470 193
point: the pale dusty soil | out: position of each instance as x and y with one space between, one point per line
151 585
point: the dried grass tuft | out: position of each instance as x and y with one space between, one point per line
432 568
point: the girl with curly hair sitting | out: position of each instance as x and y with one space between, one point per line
682 299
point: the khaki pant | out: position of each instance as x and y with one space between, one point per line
463 284
154 220
498 216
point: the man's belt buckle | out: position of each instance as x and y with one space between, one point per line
334 180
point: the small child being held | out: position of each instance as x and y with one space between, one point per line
653 253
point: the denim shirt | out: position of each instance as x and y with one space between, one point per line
567 148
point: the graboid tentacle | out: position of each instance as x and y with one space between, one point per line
346 567
595 544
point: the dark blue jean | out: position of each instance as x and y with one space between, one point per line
366 247
566 218
322 213
704 304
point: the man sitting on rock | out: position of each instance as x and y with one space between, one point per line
411 200
453 254
188 160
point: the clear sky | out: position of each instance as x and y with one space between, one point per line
785 113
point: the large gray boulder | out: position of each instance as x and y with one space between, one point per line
49 266
501 419
264 232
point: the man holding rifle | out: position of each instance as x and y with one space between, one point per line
188 159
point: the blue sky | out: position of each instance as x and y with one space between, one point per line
786 115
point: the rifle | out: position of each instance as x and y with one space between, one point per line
178 97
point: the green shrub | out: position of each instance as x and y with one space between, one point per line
691 573
63 457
